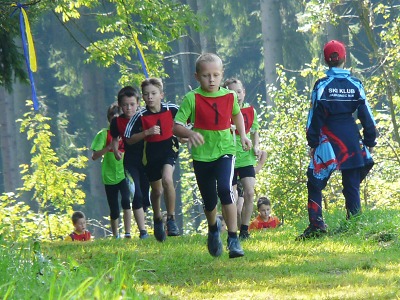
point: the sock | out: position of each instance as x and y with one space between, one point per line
232 234
244 228
170 217
213 228
143 232
127 234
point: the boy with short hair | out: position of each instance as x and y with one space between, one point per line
264 219
245 160
80 233
153 125
113 174
128 99
334 138
210 108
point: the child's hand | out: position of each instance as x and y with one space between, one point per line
257 152
246 143
153 130
195 139
118 155
183 140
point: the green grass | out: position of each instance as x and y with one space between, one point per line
359 259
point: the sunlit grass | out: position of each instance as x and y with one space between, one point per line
361 260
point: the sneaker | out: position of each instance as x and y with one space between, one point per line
159 231
214 243
312 232
244 235
144 236
127 236
235 250
172 228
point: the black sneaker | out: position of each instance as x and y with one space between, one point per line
235 250
159 231
244 235
172 228
312 232
214 243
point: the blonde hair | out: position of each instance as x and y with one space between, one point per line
230 81
152 81
207 58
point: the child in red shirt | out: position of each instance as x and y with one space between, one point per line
264 219
80 233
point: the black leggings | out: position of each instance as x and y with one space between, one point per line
215 180
112 197
142 187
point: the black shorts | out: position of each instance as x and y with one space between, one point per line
160 154
243 172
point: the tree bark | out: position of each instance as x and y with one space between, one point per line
95 103
10 171
272 40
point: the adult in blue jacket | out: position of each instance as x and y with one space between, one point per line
334 137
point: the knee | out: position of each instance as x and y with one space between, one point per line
249 195
167 183
114 214
156 193
226 196
209 206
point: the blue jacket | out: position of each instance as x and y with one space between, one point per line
335 99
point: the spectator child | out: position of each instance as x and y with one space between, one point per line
113 174
264 219
80 233
334 138
210 109
153 125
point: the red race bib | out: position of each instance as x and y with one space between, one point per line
248 118
164 120
213 113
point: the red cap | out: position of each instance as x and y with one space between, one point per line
334 47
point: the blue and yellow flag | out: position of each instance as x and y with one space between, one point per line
29 49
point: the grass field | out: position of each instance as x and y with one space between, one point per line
359 259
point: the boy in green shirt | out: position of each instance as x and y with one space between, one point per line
211 108
245 160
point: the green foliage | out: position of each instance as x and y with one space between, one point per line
41 275
283 177
358 259
55 187
154 23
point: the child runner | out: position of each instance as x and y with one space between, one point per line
154 125
334 138
210 108
113 174
128 100
245 160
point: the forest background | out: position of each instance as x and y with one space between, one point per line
86 51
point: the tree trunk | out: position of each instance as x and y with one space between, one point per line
207 37
93 82
272 40
10 170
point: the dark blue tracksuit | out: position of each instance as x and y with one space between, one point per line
333 132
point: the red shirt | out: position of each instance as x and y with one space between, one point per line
259 223
85 236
